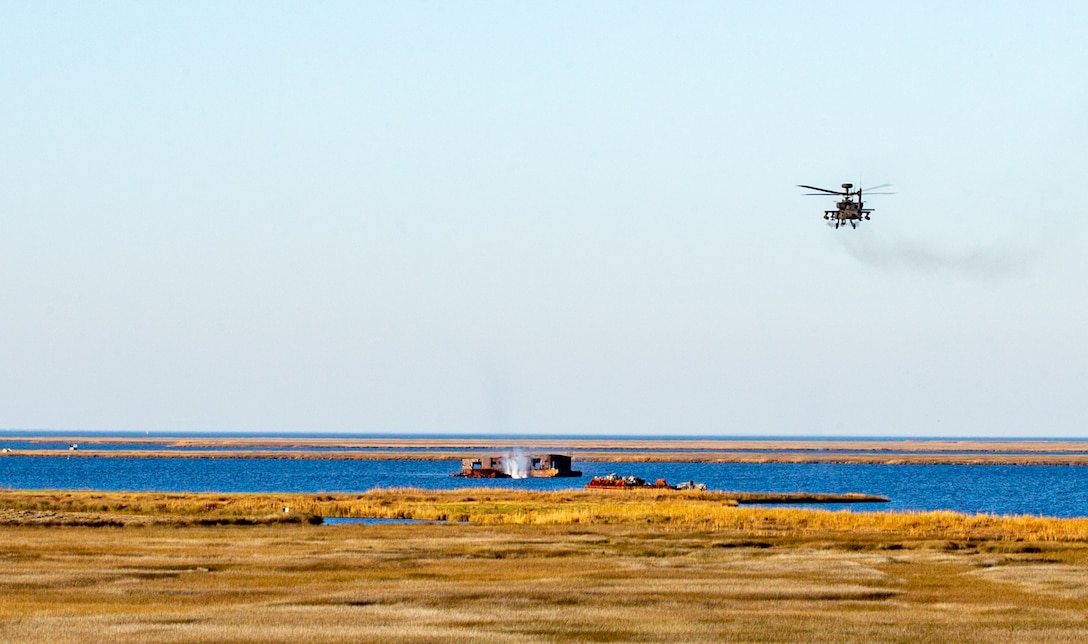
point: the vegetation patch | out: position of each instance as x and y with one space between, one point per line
674 511
188 582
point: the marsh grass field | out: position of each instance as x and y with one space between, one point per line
514 566
604 450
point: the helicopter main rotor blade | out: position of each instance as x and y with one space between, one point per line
880 193
819 194
830 192
883 185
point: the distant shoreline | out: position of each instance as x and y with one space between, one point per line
130 436
626 450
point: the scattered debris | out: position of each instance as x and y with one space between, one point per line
616 482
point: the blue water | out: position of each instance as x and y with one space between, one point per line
40 433
558 447
373 521
39 440
1060 491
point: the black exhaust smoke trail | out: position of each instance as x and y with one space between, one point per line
993 262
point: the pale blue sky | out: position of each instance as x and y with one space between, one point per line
575 218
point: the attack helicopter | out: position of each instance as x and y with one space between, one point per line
847 210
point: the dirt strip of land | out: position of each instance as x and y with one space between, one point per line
877 458
576 444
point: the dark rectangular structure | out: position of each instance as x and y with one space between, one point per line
510 466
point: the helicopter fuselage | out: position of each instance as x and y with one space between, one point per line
847 210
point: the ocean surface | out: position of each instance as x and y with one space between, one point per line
1059 491
559 447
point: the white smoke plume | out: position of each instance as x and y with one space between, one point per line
992 262
516 464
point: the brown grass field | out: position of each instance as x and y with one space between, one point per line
579 444
561 566
986 452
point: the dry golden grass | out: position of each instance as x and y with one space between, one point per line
634 456
682 511
578 444
517 583
988 452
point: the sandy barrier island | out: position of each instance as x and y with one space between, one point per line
891 452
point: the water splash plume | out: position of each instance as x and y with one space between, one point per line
516 464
